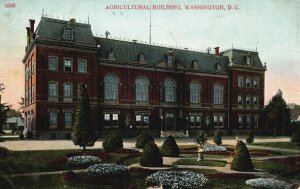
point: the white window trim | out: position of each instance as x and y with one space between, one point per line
67 58
86 68
51 56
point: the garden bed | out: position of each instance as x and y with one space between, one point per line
190 161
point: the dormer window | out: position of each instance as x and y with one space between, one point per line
195 65
170 60
247 60
141 58
110 54
218 67
68 33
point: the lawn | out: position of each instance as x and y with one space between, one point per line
192 161
270 166
280 145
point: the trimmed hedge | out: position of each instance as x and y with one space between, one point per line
112 142
143 139
151 156
250 137
218 137
241 158
169 147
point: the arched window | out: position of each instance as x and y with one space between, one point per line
111 87
170 91
141 89
52 88
194 93
68 90
218 94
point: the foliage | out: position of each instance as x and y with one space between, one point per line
192 161
21 105
151 156
177 179
218 137
250 137
277 115
83 133
83 160
13 113
241 158
4 152
267 183
112 142
214 148
108 170
295 138
169 147
200 138
143 139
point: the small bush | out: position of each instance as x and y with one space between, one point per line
250 137
4 152
218 137
295 138
169 147
112 142
29 135
83 161
143 139
241 158
151 156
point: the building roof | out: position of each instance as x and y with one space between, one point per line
155 55
236 56
52 29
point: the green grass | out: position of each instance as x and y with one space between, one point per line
270 166
280 145
206 156
191 161
131 161
227 184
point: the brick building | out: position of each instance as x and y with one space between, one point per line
134 86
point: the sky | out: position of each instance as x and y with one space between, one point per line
270 26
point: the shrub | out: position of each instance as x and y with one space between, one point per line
112 142
214 148
4 152
218 137
241 158
177 179
108 170
83 160
200 138
250 137
267 183
143 139
169 147
295 138
151 156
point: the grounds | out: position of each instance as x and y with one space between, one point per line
42 164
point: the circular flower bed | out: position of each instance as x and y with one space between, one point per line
177 179
108 170
83 160
267 183
214 148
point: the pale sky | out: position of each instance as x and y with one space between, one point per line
270 25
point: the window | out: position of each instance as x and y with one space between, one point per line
240 120
240 81
255 117
255 100
142 120
195 120
110 87
194 93
32 93
52 63
141 58
240 100
218 121
68 119
68 33
82 66
170 91
248 120
67 90
53 120
248 82
67 65
52 89
32 66
218 94
111 120
248 60
170 60
248 101
195 64
255 83
141 89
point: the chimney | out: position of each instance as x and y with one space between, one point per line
28 31
31 25
217 51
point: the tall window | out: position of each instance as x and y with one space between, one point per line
248 120
67 90
141 89
67 65
218 120
68 119
218 94
240 81
255 100
110 87
248 82
240 100
241 120
195 120
142 119
255 119
255 83
52 89
248 101
170 60
82 66
68 33
194 93
111 120
52 63
53 119
170 91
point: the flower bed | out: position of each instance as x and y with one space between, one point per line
108 170
267 183
214 148
83 160
177 179
97 153
231 176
